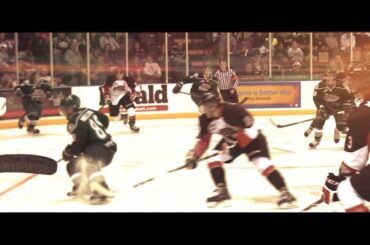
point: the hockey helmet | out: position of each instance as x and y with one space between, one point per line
208 103
69 104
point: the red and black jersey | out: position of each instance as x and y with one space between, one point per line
235 125
112 78
358 123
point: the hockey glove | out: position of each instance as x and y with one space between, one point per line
191 161
67 153
107 99
18 92
330 188
177 88
323 113
135 95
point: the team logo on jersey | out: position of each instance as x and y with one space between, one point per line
331 97
204 87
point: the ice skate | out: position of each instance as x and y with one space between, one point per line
336 135
286 200
98 199
100 193
222 197
32 129
124 118
75 191
101 188
21 122
315 143
79 191
308 131
133 127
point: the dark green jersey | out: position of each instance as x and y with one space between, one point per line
200 84
88 127
30 91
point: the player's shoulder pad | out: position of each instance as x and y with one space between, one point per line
339 83
319 85
70 127
234 108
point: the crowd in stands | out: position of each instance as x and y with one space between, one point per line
146 54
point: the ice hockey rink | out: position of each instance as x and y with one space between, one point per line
160 146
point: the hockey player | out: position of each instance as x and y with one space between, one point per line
331 98
206 83
91 150
120 90
352 186
239 136
2 106
33 92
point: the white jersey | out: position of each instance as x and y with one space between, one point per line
119 89
2 106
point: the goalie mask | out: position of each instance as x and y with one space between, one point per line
69 105
209 104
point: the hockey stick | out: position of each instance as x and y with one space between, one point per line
171 171
289 124
314 204
19 183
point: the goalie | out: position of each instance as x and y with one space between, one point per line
121 91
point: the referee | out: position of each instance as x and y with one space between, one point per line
228 82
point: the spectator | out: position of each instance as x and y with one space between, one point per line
152 70
138 50
4 57
295 53
111 41
345 41
136 70
61 43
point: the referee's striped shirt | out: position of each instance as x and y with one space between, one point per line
225 79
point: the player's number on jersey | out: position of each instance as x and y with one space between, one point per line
97 126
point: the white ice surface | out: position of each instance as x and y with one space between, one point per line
160 146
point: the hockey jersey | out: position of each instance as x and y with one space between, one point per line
236 125
87 127
202 85
357 142
334 99
30 91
